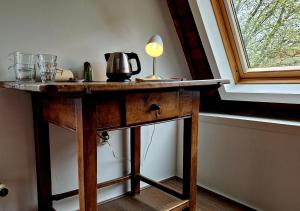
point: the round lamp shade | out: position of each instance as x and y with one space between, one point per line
154 46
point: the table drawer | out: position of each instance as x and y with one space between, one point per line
147 107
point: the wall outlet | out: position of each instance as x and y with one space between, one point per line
102 138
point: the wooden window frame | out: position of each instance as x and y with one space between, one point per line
282 75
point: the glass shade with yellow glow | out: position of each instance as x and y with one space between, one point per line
154 48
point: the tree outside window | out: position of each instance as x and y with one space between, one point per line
269 31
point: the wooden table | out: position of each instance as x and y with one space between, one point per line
88 107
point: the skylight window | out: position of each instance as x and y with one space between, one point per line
269 31
261 37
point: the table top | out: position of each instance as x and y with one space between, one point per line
101 86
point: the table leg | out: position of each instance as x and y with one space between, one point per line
190 143
87 154
42 156
135 150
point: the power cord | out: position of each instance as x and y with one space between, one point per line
104 136
151 140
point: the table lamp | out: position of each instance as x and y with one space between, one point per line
154 48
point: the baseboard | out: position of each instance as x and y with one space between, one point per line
240 204
224 197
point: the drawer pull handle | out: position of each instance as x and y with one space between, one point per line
156 108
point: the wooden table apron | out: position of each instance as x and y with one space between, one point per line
108 108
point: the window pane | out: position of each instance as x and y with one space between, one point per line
270 31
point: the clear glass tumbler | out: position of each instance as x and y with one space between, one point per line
23 66
46 65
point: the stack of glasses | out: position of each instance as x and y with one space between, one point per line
25 64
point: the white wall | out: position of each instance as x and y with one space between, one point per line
76 31
253 161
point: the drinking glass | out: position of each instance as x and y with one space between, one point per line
46 65
23 66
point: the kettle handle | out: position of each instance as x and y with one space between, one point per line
107 55
135 56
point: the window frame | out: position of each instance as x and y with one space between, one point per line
279 75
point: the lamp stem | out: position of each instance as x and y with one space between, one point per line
154 69
153 76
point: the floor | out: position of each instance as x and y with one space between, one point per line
152 199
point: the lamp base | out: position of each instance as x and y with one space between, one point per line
153 77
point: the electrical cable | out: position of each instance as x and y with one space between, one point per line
115 154
151 140
105 137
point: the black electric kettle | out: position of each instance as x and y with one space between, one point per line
119 66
